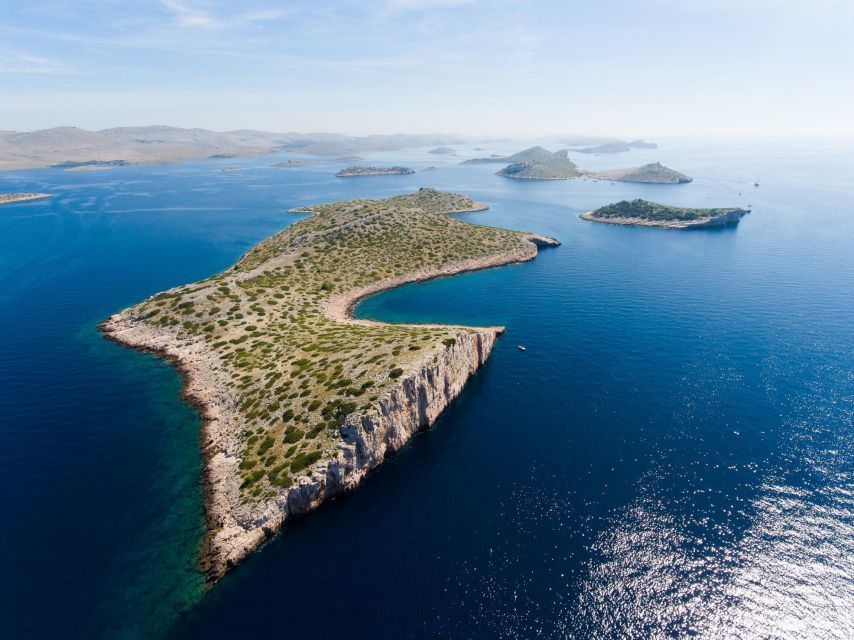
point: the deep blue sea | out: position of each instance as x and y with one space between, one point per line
672 456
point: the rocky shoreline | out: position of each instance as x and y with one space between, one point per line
233 529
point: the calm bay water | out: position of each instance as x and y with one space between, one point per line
672 454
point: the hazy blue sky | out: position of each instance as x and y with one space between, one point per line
633 67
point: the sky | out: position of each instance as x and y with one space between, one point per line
471 67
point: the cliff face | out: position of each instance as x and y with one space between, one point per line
368 438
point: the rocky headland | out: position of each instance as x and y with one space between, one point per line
643 213
299 400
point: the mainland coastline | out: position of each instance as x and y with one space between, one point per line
243 510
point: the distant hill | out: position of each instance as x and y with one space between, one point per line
655 173
442 151
537 163
162 144
642 144
532 154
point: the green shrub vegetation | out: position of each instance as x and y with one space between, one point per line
294 374
646 210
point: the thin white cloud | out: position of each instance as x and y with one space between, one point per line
420 5
191 16
21 62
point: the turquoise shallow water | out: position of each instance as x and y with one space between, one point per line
672 454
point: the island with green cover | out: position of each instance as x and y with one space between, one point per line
300 400
644 213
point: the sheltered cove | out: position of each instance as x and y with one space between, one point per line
299 400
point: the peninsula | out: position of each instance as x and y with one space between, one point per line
299 400
643 213
355 172
9 198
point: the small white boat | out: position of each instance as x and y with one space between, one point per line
521 347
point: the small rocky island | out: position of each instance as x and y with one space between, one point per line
654 173
644 213
9 198
355 172
299 400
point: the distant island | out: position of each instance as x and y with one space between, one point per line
532 154
654 173
289 164
442 150
537 163
608 147
72 147
354 172
88 164
493 158
644 213
9 198
299 400
618 146
642 144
